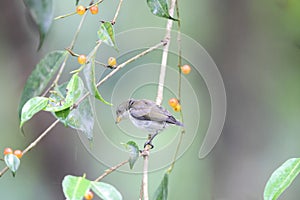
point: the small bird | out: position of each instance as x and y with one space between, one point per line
147 115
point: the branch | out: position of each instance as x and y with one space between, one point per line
34 143
144 187
110 170
117 13
164 59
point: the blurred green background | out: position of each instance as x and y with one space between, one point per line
256 46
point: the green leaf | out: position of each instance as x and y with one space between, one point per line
282 178
75 187
160 8
74 90
31 107
42 14
161 192
12 162
40 76
106 191
76 2
89 74
81 118
106 34
133 149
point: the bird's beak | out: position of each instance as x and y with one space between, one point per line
118 119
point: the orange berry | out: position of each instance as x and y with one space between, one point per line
7 151
173 102
94 9
89 195
81 59
185 69
80 10
18 153
177 108
112 61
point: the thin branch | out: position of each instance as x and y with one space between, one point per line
164 59
110 170
34 143
73 13
117 12
43 134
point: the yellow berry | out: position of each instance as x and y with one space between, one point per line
18 153
7 151
81 59
89 195
80 10
112 61
173 102
94 9
185 69
177 108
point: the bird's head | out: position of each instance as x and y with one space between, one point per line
122 110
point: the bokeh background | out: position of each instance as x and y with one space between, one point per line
256 46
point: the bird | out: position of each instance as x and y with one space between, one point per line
147 115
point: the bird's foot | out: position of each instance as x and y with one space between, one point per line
149 143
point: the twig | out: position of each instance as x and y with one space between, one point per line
110 170
34 143
117 12
164 59
73 13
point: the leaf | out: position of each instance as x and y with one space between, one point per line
89 74
31 107
161 192
106 34
12 162
42 14
81 118
75 187
133 149
106 191
74 92
281 178
76 2
40 76
160 8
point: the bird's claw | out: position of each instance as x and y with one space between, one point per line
148 143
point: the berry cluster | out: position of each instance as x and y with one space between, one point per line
17 153
80 10
174 103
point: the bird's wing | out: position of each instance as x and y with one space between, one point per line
148 110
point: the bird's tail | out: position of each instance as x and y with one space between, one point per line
178 123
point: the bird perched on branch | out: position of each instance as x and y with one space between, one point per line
147 115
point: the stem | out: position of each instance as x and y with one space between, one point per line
117 12
66 15
110 170
179 50
179 88
164 59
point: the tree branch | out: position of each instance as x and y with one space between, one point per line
164 59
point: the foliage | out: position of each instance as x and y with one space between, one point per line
281 178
